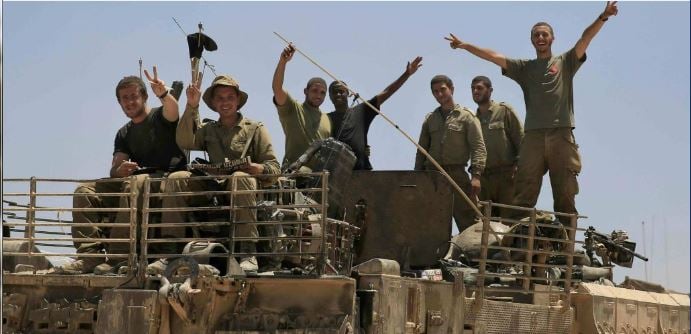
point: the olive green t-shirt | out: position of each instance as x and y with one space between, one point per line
302 125
547 86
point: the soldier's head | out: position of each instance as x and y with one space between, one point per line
542 36
442 89
481 88
338 93
315 92
131 94
224 96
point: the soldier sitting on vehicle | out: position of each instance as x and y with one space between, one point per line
231 137
146 141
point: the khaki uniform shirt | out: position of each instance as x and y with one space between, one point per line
302 125
452 140
222 142
547 86
503 133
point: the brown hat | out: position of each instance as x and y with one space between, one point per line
224 80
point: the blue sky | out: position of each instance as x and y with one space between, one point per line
61 62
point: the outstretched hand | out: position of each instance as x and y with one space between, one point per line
194 91
157 85
413 66
288 53
611 9
454 42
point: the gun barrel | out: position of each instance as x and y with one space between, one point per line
606 240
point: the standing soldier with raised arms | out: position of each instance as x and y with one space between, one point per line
302 123
547 84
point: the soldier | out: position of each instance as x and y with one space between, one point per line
303 123
146 141
452 135
547 84
350 125
233 136
502 132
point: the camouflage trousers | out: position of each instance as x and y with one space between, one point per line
87 195
181 182
553 150
497 185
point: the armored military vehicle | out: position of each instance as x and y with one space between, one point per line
385 262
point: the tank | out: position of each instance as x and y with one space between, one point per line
388 265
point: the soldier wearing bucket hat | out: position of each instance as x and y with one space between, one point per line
233 136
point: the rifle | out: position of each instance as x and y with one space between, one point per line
222 168
615 248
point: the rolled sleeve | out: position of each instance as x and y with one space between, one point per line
189 134
424 142
478 152
514 68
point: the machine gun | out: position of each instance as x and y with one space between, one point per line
221 168
615 249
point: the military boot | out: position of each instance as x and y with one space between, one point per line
81 266
110 267
249 262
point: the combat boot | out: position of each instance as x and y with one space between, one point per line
157 267
249 262
81 266
110 267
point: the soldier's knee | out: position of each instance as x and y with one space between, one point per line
179 175
85 188
243 181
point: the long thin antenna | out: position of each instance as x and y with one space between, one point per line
652 248
645 251
664 224
206 63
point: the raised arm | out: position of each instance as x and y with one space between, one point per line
410 69
186 133
592 30
486 54
170 104
280 95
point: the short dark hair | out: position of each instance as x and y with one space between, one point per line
481 78
542 24
440 78
335 83
315 80
131 81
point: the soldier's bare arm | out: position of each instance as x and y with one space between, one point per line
486 54
280 95
170 104
592 30
121 166
410 69
187 135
